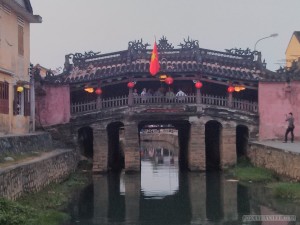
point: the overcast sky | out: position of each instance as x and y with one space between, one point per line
71 26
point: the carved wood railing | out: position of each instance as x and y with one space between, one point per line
120 101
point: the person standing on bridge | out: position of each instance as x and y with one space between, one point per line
180 95
291 127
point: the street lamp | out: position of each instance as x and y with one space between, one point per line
272 35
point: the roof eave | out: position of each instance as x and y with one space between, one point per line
23 12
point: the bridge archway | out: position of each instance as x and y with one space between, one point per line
116 158
213 133
85 139
242 136
183 129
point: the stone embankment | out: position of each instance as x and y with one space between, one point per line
34 173
283 159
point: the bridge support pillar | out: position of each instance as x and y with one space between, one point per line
131 148
196 155
100 151
228 149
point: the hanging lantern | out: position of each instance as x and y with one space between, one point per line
169 80
98 91
198 85
130 84
20 89
230 89
89 89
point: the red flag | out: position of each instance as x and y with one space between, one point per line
154 63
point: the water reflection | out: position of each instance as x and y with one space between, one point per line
159 173
163 195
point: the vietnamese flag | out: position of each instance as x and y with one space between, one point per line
154 63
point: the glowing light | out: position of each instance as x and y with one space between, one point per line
98 91
20 89
230 89
89 89
198 85
130 84
169 80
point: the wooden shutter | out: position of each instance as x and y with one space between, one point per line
26 102
20 40
4 105
15 103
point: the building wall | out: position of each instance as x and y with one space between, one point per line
275 101
54 107
13 67
293 51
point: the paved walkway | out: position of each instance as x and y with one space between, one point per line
292 147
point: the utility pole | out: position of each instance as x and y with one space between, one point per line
32 98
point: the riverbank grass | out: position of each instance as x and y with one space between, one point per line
14 213
45 207
287 190
245 171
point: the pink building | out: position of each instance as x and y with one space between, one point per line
276 99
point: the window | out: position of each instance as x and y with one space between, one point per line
20 40
22 102
4 108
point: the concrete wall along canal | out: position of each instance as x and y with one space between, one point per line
34 173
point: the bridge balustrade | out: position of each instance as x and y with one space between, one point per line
115 102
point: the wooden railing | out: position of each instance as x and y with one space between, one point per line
120 101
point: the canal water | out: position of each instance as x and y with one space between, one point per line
161 195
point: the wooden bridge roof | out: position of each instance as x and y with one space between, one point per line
232 64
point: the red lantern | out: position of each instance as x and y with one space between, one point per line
98 91
169 80
198 85
230 89
130 84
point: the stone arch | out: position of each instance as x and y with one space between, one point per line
116 157
213 144
242 137
183 128
85 139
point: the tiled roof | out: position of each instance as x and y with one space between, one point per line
234 64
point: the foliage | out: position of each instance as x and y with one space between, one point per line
44 207
286 190
245 171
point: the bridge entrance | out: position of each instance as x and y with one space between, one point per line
172 132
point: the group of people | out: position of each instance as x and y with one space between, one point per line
160 92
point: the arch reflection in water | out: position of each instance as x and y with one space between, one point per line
159 167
